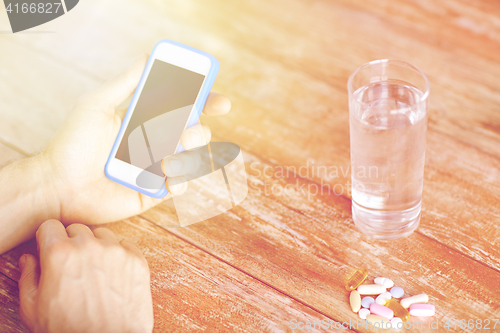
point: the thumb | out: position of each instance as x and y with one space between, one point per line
28 289
113 92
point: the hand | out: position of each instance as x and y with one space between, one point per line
85 282
78 152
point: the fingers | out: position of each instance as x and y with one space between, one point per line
132 248
28 289
176 185
216 105
195 136
105 234
181 164
122 108
49 232
77 229
113 92
207 133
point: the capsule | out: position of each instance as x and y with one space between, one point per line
406 302
377 321
422 310
371 289
399 311
356 279
382 311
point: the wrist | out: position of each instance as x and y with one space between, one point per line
27 199
46 192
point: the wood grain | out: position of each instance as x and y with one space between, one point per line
192 290
285 65
305 245
262 103
9 309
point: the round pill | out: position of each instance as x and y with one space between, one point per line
367 301
382 298
384 282
397 292
363 313
397 323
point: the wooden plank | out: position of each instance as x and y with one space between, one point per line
9 260
305 245
9 309
194 291
268 56
328 57
36 94
267 121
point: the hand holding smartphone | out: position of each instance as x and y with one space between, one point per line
169 98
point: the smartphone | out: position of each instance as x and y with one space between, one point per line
169 98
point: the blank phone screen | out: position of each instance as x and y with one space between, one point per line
160 116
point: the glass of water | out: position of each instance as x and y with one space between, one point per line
388 121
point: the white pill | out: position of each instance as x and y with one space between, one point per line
397 323
406 302
397 292
384 282
422 310
371 289
363 313
382 298
367 301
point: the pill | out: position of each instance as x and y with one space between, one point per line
422 310
397 323
406 302
382 298
381 311
363 313
355 301
367 301
397 292
398 310
374 319
371 289
384 282
356 279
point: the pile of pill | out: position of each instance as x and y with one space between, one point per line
385 307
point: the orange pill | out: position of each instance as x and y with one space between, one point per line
399 311
356 279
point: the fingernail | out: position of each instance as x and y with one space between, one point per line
173 167
195 139
22 262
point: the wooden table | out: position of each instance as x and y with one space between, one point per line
284 65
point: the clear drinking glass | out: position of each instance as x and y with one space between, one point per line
388 121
